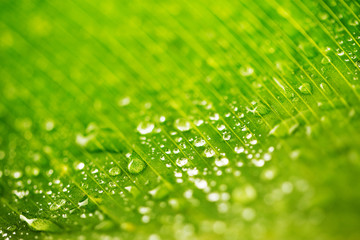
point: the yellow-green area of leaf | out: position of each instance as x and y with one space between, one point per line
42 225
160 192
329 105
244 194
285 127
105 225
100 140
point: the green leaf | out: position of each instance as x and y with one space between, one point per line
180 119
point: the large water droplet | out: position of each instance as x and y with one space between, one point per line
43 225
136 166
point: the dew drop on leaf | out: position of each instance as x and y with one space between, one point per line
305 89
145 127
182 124
42 225
199 142
182 162
326 89
136 166
114 171
221 162
58 204
209 152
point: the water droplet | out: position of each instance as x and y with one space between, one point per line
305 89
239 149
201 183
17 174
114 171
213 197
182 124
49 125
325 60
221 127
214 117
260 109
199 142
182 162
124 101
221 162
145 127
248 214
136 166
80 166
209 152
226 136
84 203
358 64
42 225
246 71
58 204
326 89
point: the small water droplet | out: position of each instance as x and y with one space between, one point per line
221 162
182 162
114 171
305 89
199 142
326 89
239 149
209 152
246 71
